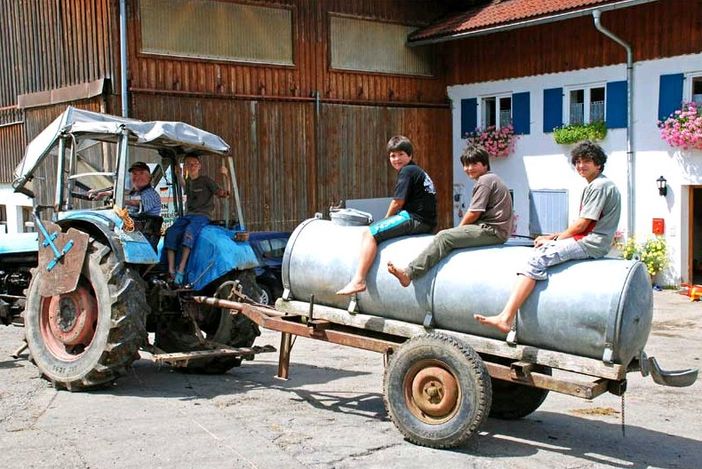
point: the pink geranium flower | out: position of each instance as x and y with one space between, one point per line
499 143
683 129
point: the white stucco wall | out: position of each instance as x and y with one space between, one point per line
539 163
13 206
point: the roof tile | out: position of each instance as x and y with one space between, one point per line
502 12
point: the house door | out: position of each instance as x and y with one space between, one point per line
695 224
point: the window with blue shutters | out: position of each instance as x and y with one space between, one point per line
586 104
496 111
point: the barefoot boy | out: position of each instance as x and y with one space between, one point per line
590 236
488 220
200 191
412 210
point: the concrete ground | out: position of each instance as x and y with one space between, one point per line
331 414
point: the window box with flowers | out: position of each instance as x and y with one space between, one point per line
499 143
683 129
574 133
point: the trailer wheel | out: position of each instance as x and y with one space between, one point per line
512 401
88 337
437 391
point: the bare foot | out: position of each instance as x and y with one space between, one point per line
494 321
352 287
400 274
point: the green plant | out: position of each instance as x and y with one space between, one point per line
653 253
574 133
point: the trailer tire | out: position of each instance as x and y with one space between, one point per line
512 401
437 391
87 338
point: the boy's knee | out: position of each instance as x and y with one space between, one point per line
444 238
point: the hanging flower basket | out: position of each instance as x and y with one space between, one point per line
499 143
683 129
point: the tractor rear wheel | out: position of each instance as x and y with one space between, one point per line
218 325
88 337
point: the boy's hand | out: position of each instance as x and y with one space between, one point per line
541 240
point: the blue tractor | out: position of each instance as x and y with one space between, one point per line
100 284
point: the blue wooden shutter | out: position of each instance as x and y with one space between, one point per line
521 116
670 94
553 109
616 104
469 115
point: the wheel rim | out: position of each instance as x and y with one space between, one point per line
265 298
68 322
432 392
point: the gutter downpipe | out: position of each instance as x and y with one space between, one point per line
123 56
596 14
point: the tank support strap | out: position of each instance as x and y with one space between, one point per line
429 320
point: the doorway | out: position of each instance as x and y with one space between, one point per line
695 253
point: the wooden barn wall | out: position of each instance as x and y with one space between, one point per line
283 178
13 140
661 29
358 135
292 160
51 44
311 72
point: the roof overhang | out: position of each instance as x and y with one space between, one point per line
549 18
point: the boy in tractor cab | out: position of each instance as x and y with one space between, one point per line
200 191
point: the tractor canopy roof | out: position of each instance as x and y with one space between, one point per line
178 136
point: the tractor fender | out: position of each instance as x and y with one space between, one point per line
131 247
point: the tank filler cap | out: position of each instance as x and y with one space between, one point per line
350 217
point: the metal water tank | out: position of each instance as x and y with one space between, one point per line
595 308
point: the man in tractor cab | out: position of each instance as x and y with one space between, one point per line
200 191
143 202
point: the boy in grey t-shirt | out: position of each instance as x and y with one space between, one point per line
488 219
590 236
200 190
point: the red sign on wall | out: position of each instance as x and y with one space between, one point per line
658 226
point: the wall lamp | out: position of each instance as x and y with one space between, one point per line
662 186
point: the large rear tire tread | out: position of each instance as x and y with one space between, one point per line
119 331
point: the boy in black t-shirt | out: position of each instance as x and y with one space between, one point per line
412 210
